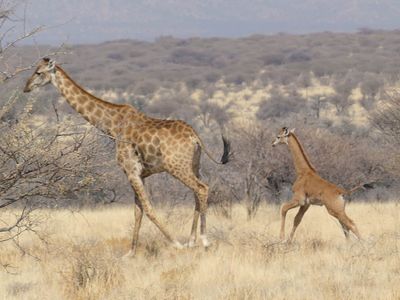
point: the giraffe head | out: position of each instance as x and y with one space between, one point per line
42 75
282 137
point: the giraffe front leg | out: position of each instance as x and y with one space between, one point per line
284 209
297 219
138 186
131 163
136 228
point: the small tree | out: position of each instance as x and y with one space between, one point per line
45 166
40 164
387 118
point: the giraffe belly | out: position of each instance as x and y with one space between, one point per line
314 201
152 165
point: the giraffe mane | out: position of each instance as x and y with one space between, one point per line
303 152
85 92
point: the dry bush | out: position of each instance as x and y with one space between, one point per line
89 271
220 198
46 164
387 118
23 149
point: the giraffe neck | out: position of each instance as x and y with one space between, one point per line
102 114
301 162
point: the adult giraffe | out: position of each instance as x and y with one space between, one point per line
310 188
145 146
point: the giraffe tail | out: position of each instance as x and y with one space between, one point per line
364 185
227 154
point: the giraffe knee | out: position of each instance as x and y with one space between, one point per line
202 192
202 195
346 221
138 211
283 210
350 221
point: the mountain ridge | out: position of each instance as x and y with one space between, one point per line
95 21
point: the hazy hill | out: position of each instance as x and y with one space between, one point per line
325 76
93 21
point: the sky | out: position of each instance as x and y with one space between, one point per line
94 21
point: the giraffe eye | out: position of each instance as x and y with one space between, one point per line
38 73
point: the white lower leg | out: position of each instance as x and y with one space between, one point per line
177 245
204 240
192 241
131 253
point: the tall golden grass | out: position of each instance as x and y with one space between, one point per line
81 257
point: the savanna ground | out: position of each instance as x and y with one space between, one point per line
80 257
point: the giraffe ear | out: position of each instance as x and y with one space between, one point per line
292 130
51 64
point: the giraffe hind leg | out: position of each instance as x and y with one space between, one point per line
201 197
136 228
345 230
343 218
196 214
347 223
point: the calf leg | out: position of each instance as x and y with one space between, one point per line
343 218
345 230
284 209
298 218
336 207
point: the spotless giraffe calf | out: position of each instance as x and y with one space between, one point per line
311 189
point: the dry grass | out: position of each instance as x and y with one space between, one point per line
82 259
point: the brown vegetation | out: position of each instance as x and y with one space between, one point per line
82 257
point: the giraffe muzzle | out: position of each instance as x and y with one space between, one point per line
27 89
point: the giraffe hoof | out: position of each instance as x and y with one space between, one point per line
205 241
289 241
190 244
130 254
177 245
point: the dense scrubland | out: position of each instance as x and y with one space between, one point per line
64 201
335 88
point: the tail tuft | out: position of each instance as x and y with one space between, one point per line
368 185
227 155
